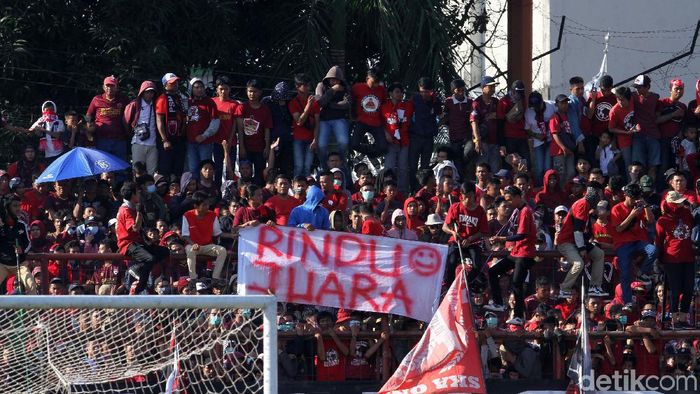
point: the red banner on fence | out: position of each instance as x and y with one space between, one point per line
446 359
343 270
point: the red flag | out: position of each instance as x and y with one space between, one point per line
446 359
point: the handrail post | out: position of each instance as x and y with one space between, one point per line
44 274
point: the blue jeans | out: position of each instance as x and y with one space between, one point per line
541 162
196 153
303 158
624 261
340 130
115 147
646 150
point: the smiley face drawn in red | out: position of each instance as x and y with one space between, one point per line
424 260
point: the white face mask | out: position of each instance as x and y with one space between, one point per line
367 195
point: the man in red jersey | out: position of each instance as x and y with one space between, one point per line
105 120
671 114
199 229
573 242
368 97
129 224
521 257
282 203
202 125
599 105
484 125
170 121
226 109
630 220
467 224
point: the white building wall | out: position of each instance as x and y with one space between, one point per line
643 33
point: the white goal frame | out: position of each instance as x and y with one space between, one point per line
267 303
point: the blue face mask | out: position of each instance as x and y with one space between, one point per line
151 188
368 195
337 182
491 322
623 320
215 320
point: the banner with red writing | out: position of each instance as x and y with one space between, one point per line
446 359
342 270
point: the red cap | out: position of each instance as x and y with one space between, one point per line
110 80
677 82
343 315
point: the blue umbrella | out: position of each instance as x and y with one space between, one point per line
81 162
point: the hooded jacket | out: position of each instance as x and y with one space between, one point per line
39 244
415 221
311 212
440 167
50 123
400 233
551 197
133 109
201 109
334 105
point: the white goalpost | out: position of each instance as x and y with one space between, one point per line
138 344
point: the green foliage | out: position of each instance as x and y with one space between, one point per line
61 49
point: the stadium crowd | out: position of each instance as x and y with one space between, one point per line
608 178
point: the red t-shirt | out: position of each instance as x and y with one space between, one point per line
511 129
33 203
646 108
557 124
623 119
332 369
303 132
579 210
359 368
673 236
480 110
107 115
671 128
372 226
689 195
335 201
200 230
525 225
647 363
170 107
601 113
255 121
282 208
367 103
199 114
469 221
635 232
226 111
126 235
397 118
603 235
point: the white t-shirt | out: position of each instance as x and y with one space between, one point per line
541 127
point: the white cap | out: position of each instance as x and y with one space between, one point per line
169 78
561 208
434 218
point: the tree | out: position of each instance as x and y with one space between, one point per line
62 50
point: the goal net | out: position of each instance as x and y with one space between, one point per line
138 344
